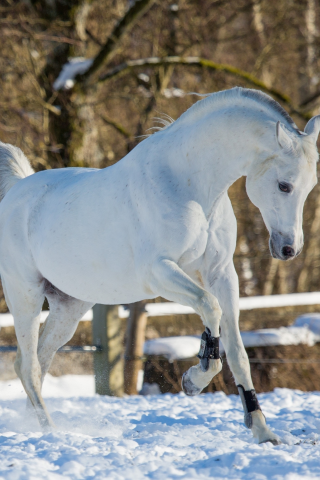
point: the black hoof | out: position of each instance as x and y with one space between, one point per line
188 386
274 441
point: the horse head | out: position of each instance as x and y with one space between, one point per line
279 181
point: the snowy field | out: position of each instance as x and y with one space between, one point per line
157 437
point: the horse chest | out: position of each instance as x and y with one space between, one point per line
183 233
221 238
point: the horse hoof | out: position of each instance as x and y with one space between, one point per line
188 386
274 441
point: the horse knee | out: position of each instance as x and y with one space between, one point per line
210 303
211 312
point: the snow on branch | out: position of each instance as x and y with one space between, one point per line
70 70
137 9
80 69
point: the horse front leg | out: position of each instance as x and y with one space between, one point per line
172 283
226 287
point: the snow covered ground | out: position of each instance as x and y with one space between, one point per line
186 346
158 437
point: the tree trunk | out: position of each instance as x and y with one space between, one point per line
135 337
307 87
311 32
311 251
271 275
265 44
282 275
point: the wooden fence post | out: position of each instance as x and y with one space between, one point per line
108 363
135 336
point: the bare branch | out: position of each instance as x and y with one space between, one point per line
204 63
310 99
93 38
117 126
51 108
38 36
138 9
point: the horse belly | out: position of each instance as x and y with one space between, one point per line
110 279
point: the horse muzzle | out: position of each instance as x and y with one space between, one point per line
282 247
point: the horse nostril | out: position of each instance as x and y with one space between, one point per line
288 251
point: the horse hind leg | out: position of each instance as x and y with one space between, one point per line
59 327
25 302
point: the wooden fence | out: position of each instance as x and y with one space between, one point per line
108 348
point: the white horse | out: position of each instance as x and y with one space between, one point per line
157 223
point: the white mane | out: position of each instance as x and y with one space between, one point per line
234 95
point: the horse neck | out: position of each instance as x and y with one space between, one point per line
211 155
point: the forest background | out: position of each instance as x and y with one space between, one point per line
195 46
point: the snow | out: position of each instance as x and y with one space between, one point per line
179 348
144 77
280 336
70 70
160 437
173 92
174 348
310 320
53 387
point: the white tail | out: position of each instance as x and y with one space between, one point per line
14 166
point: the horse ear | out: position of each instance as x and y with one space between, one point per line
284 137
313 127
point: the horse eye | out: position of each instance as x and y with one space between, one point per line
284 187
